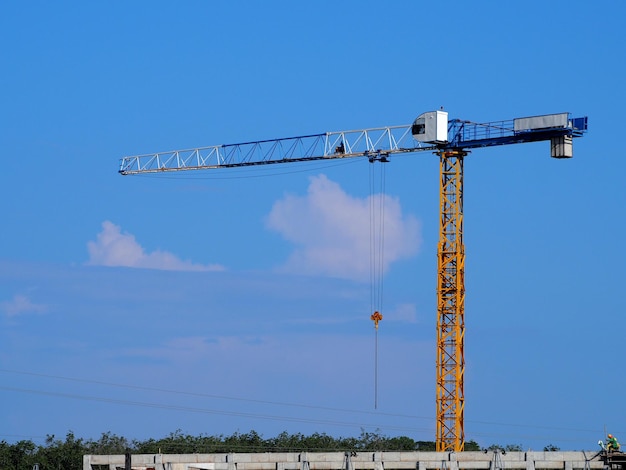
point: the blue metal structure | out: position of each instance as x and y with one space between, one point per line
469 135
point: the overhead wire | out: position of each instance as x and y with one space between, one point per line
241 414
206 395
534 429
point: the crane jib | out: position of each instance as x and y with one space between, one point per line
375 143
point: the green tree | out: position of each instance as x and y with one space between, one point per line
150 446
400 443
285 442
426 446
506 448
22 455
58 454
551 448
495 448
323 442
5 454
247 442
371 441
108 444
472 446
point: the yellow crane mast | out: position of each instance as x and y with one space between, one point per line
450 303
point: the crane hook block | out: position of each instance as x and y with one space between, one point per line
376 317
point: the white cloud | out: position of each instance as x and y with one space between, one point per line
20 304
331 231
114 248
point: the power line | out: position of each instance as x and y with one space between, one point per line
207 395
189 409
267 402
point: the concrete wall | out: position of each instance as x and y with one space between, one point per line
352 461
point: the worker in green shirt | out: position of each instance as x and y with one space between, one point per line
611 443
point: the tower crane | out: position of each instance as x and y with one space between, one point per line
451 140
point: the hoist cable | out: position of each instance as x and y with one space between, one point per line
373 299
376 370
377 237
381 237
377 218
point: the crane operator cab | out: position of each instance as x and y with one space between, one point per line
431 127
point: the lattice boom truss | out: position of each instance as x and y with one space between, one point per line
373 142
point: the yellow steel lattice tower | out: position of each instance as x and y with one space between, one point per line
450 304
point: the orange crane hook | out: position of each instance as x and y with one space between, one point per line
376 317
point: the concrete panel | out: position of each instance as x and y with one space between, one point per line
288 466
358 461
473 464
256 465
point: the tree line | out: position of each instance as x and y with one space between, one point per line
67 454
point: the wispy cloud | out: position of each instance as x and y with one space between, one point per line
21 304
114 248
331 231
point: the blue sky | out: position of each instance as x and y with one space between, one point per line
228 301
